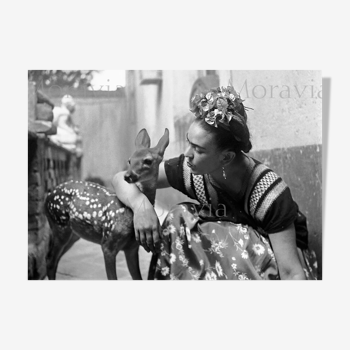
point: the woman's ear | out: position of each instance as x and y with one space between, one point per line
227 157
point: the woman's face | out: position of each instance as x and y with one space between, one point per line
202 154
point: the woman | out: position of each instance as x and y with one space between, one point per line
247 225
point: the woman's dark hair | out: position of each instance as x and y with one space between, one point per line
236 139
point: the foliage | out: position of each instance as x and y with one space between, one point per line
62 78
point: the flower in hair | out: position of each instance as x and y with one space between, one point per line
218 107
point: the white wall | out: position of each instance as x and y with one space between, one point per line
287 106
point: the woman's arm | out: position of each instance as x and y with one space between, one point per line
285 250
146 223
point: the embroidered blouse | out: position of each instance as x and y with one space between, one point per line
267 203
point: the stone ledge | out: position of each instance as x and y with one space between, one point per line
40 126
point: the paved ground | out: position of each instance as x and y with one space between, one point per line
84 261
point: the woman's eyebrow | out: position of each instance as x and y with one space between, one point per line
193 144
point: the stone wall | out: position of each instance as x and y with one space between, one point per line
48 165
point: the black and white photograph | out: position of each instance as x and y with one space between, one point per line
175 174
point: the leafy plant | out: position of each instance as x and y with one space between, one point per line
62 78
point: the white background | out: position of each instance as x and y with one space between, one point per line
178 35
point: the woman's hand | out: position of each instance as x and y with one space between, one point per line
285 249
146 225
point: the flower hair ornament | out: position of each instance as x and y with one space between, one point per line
222 107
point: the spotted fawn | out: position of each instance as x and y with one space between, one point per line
90 211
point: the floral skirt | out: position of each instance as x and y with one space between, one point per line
211 250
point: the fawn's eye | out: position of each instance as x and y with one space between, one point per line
147 161
129 161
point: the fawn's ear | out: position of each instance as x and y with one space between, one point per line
163 143
142 139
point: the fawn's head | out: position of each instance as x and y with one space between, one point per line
144 163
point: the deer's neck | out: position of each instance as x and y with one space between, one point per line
148 188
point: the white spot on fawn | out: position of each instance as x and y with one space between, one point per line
99 213
94 214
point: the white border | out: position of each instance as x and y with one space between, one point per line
155 35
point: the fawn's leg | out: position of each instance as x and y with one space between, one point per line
152 267
59 239
72 240
110 261
132 260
